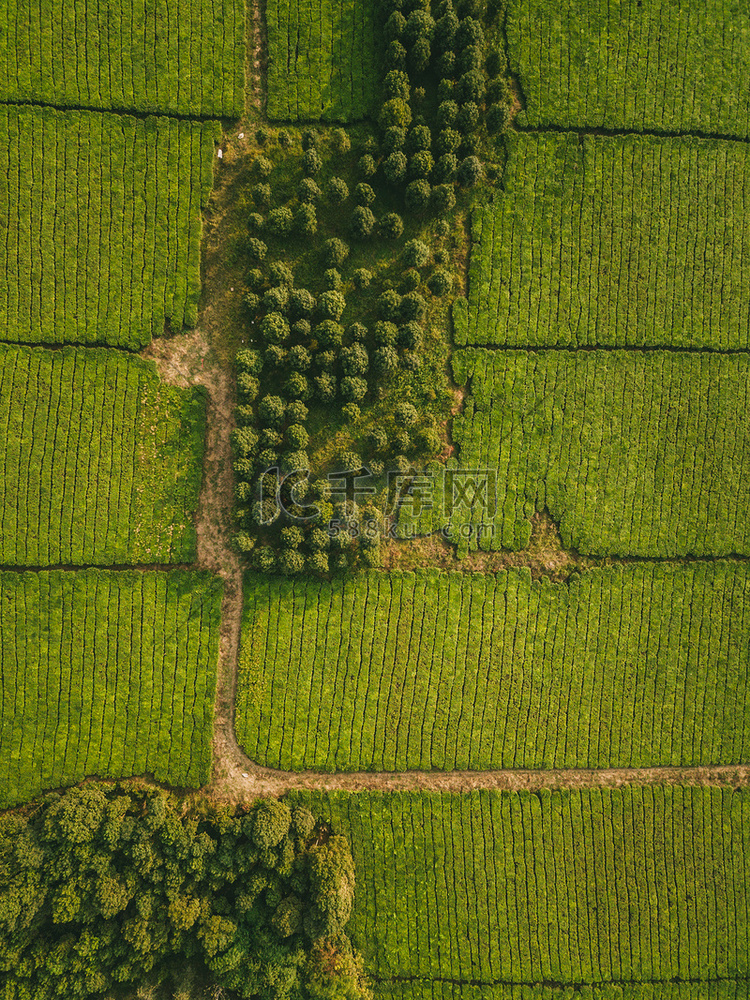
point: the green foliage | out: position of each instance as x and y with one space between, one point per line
362 223
105 885
584 75
93 476
78 659
337 191
106 262
200 59
335 252
570 861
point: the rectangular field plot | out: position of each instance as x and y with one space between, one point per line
425 989
639 884
613 241
653 65
104 673
633 453
101 460
322 60
182 57
102 222
632 666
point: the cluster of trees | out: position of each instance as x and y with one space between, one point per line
104 886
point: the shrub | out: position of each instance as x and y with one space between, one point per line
249 360
445 31
411 361
395 112
263 167
405 415
261 194
448 141
292 460
395 56
318 539
446 114
470 32
352 388
284 139
417 195
362 278
413 306
428 441
251 302
384 360
419 56
264 559
469 171
400 441
362 223
394 26
441 256
311 162
337 190
274 355
364 194
341 141
470 87
256 249
291 537
317 562
396 85
421 164
332 279
470 144
354 360
244 543
276 299
410 336
274 328
298 358
255 222
394 167
416 253
325 387
445 168
351 412
309 139
280 221
443 198
389 304
280 274
271 410
301 302
391 226
244 441
335 252
357 332
306 219
325 360
367 166
267 459
418 25
393 139
468 117
296 412
331 304
385 333
255 278
328 334
410 280
469 59
498 118
270 437
301 329
308 191
290 562
401 464
378 439
296 386
248 386
442 229
444 68
440 282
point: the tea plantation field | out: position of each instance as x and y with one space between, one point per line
629 666
171 57
101 459
641 65
568 887
323 60
102 222
598 241
108 674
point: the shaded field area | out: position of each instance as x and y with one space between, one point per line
106 673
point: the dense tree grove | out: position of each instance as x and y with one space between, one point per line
105 886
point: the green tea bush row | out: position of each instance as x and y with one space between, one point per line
183 57
660 65
322 60
612 241
634 666
582 887
103 225
101 459
106 673
109 889
633 453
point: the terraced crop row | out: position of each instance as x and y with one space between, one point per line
662 65
572 887
633 453
182 57
425 989
322 60
107 674
102 216
629 666
101 460
604 241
